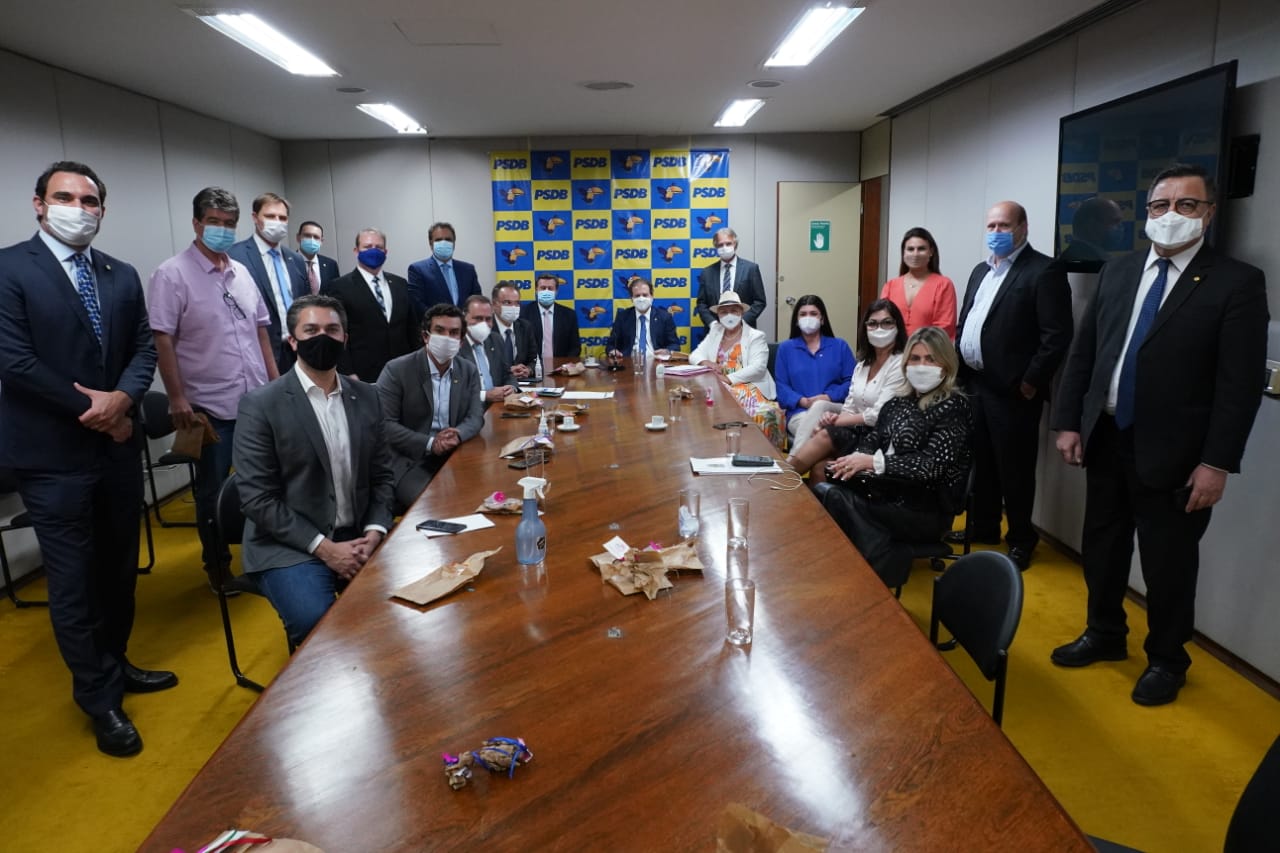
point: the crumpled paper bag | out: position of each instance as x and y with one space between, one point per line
573 369
646 570
516 446
742 830
506 506
191 441
520 402
443 580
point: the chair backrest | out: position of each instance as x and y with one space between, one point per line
979 600
229 517
773 359
156 420
1253 825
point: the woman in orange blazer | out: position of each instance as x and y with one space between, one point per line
923 295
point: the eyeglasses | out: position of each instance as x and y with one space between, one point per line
887 323
1185 206
230 300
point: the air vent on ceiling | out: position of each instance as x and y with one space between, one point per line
765 84
607 85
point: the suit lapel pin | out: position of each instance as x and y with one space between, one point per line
1195 278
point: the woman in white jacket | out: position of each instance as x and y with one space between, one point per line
739 355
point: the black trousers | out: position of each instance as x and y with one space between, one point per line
1117 504
1006 443
86 523
882 531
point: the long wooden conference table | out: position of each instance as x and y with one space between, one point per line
840 720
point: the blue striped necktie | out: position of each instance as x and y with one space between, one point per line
450 281
1129 370
282 279
88 293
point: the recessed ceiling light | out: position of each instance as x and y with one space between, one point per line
739 112
394 116
607 85
351 90
765 84
266 41
812 33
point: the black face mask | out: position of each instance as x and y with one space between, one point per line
320 352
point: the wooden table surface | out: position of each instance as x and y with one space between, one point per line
840 720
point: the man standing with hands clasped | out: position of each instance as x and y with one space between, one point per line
1157 401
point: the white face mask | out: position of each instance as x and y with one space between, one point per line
273 230
809 324
443 348
74 226
509 313
882 337
726 253
924 377
479 332
730 320
1174 229
642 303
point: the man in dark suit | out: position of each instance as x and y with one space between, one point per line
321 269
555 327
440 278
279 272
314 473
76 356
382 323
483 349
656 328
1157 401
431 400
1015 327
730 273
513 331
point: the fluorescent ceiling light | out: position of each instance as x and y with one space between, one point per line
394 116
739 112
266 41
811 35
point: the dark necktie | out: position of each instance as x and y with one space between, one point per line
377 294
726 284
88 293
312 277
1129 370
511 347
644 334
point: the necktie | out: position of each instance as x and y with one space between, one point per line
511 347
451 282
548 351
88 293
377 294
482 362
644 334
312 277
726 284
1129 370
282 279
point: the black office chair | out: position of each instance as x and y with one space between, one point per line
937 553
229 529
979 600
21 521
773 358
157 423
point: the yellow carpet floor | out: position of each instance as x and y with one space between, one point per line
1158 779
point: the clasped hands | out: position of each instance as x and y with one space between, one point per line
445 441
345 559
108 412
848 466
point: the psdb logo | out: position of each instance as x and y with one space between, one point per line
593 283
595 341
590 162
553 254
670 281
670 222
1078 177
670 162
591 224
709 192
705 252
630 192
632 254
510 163
550 195
513 225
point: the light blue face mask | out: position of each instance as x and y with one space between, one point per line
546 298
443 250
217 238
1000 243
310 245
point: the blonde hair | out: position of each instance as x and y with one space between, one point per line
944 355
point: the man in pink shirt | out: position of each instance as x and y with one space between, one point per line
210 326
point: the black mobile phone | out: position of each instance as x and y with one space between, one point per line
742 460
728 424
437 526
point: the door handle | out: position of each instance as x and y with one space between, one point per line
791 301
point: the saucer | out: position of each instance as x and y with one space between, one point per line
573 428
652 428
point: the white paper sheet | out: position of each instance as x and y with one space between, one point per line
587 395
724 465
478 521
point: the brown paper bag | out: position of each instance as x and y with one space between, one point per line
192 440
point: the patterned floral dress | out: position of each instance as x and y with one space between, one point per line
765 412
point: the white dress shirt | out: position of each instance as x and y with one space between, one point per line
971 339
64 254
441 385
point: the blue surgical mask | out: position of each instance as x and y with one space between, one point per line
1000 243
309 245
443 250
217 238
546 298
372 257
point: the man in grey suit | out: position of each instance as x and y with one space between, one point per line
431 401
482 348
314 472
730 273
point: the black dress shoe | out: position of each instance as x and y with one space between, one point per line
116 734
956 537
1088 649
147 680
1021 557
1158 686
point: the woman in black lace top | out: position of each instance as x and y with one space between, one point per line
905 481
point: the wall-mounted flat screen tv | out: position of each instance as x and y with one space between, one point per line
1108 154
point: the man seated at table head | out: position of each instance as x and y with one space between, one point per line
513 331
644 324
431 401
314 472
481 347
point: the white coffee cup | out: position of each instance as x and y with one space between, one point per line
657 421
567 422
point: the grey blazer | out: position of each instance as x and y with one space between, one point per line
282 466
405 391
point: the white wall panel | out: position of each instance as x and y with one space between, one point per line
306 172
30 139
197 154
1249 30
908 195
